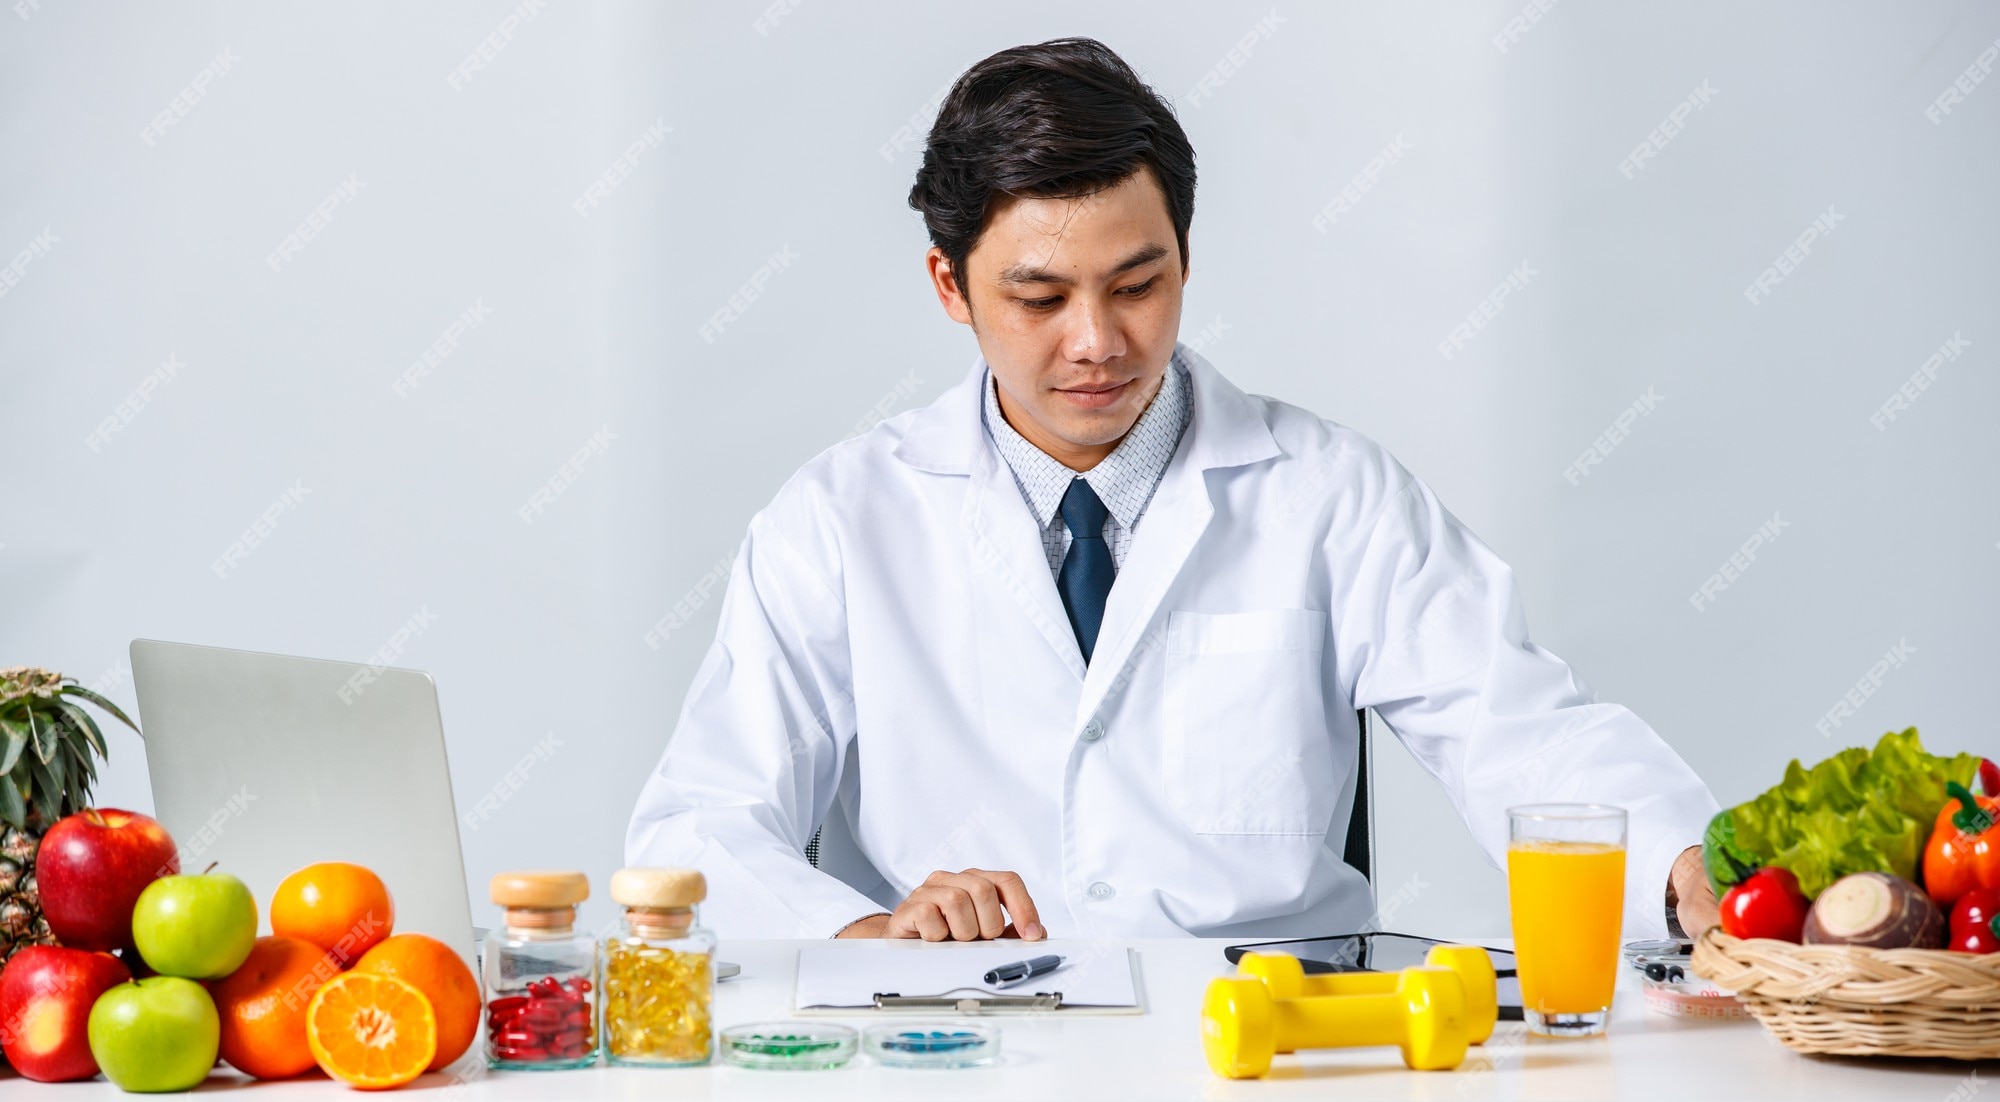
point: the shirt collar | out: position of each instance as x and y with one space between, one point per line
1123 480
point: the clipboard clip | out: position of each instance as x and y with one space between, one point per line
970 1004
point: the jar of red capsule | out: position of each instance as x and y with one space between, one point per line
541 975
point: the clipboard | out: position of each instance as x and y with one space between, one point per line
919 977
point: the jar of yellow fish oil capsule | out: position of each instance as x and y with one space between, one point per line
659 971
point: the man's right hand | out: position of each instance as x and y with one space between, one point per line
973 905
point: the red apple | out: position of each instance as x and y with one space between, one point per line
92 867
46 994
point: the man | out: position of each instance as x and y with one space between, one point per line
1077 649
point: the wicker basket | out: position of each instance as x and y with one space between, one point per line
1848 1001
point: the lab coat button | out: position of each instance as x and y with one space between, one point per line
1093 731
1101 891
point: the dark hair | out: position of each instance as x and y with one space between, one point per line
1058 120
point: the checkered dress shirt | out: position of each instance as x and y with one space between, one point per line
1124 480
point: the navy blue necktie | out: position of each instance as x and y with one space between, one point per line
1087 569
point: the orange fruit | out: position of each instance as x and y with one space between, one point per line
263 1007
371 1031
343 908
430 966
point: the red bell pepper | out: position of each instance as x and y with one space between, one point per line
1989 777
1767 903
1975 922
1964 850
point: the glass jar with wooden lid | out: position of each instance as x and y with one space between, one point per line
659 971
541 975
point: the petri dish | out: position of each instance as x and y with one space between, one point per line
933 1044
789 1046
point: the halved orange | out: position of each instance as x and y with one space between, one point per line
434 968
371 1031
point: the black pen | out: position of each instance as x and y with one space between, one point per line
1007 975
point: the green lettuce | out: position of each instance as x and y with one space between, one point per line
1857 811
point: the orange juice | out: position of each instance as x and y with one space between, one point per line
1568 898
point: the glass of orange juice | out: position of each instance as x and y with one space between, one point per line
1566 884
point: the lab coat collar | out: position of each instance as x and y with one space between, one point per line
1228 430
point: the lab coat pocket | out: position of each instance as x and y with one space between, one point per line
1247 750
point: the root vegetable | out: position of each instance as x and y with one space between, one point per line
1876 910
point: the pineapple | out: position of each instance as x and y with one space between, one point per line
49 747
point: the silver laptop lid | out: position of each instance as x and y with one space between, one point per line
265 763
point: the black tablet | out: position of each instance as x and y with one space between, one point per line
1376 951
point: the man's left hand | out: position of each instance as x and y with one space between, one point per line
1688 893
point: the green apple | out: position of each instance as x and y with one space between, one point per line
155 1034
199 927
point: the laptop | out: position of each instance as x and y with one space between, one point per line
265 763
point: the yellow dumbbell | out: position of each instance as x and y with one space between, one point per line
1287 980
1243 1024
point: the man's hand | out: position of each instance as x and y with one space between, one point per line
973 905
1690 896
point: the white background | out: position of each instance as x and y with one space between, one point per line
777 141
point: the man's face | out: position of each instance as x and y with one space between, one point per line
1076 304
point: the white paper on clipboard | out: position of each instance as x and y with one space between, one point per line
845 978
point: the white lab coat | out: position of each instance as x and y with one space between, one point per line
893 653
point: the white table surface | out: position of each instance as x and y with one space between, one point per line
1158 1055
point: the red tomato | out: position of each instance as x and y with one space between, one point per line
1768 903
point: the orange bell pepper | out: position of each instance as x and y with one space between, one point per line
1964 850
